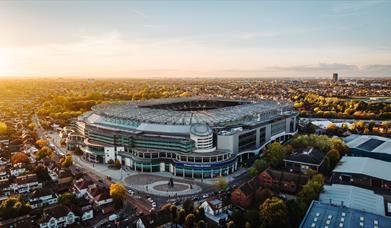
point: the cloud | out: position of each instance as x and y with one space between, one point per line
140 13
353 7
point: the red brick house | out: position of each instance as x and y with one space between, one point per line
243 196
282 181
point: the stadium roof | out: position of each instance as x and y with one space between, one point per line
320 215
365 166
192 110
369 143
353 197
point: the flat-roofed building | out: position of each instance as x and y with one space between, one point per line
321 215
363 172
369 146
355 198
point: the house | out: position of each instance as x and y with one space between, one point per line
155 219
17 169
328 215
363 172
303 160
81 186
4 140
99 195
216 209
5 189
4 173
243 195
18 222
42 197
283 181
4 161
64 176
86 212
57 216
26 183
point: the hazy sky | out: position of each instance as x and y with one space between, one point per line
174 38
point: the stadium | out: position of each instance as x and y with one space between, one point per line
190 137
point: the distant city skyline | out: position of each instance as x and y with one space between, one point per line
267 39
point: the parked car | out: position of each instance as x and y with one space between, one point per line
113 217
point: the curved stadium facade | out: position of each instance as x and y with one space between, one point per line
191 137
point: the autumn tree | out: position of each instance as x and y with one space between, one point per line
334 156
66 161
41 142
274 213
20 157
117 191
3 128
44 152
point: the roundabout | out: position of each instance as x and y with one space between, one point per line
160 185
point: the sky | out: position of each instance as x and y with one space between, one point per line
195 39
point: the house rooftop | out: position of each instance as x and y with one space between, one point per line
369 143
365 166
309 155
353 197
328 215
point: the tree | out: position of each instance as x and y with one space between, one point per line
188 205
110 162
252 171
260 165
117 164
295 213
32 126
237 216
310 128
117 191
221 183
311 189
13 207
189 220
41 142
181 216
20 157
252 216
66 161
3 128
201 224
44 152
231 224
334 156
275 153
42 173
67 199
274 213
